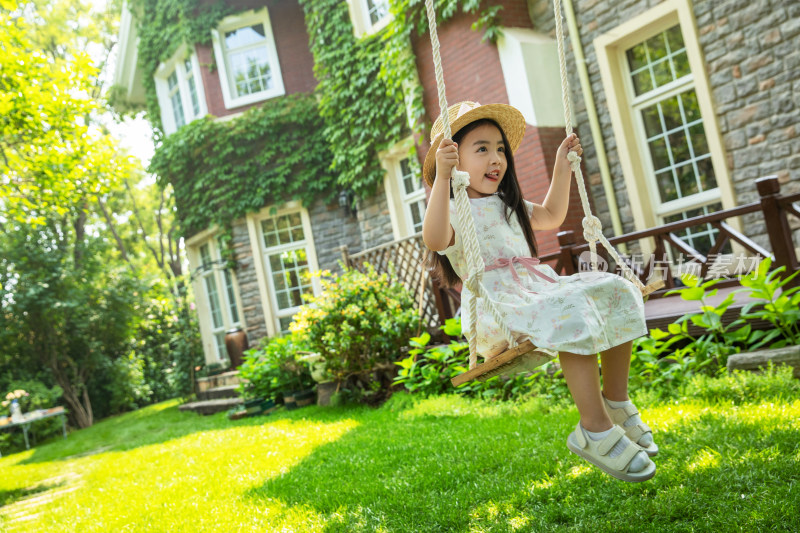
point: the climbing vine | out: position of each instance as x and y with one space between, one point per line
293 147
222 170
369 94
163 26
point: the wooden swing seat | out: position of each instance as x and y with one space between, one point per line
524 357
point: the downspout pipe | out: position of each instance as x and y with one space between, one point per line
594 122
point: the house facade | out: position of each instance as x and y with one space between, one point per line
680 105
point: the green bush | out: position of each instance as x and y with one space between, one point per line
360 324
670 358
428 370
274 368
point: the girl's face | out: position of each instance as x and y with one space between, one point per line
482 154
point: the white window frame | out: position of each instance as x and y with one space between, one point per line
214 353
398 201
626 121
362 24
249 18
163 72
272 314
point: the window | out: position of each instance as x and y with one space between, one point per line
376 10
659 103
405 194
218 286
667 111
247 58
369 16
180 96
286 264
413 195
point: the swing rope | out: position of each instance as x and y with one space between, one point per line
592 227
460 182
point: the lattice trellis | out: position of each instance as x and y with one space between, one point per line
407 257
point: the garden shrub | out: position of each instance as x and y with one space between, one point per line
670 358
428 370
360 324
274 368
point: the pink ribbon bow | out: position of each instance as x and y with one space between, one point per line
528 262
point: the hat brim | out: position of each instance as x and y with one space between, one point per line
507 117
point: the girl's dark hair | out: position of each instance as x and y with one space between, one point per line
509 192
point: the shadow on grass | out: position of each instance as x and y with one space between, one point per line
514 473
148 426
7 497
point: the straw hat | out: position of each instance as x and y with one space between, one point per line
509 118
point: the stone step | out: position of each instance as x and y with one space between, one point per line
220 380
228 391
209 407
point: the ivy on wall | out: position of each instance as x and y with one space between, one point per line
222 170
293 147
163 26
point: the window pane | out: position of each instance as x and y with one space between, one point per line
666 186
659 154
222 352
417 215
703 236
377 10
687 180
213 300
679 146
657 61
244 36
231 297
706 176
251 71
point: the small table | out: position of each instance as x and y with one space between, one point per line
34 416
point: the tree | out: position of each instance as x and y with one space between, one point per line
68 302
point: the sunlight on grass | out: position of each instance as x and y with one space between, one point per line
706 458
170 484
444 463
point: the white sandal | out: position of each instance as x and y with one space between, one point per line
635 432
597 452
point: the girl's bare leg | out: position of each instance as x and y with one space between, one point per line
583 380
616 363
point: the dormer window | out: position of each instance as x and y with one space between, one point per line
369 16
180 97
247 59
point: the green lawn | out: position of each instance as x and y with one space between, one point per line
442 464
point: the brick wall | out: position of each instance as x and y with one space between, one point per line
472 72
751 54
291 41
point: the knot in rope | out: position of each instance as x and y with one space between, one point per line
574 159
592 228
460 180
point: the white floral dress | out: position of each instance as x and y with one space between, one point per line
585 313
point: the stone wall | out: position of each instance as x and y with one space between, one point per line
332 229
751 54
248 283
374 220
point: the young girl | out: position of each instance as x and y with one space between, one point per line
577 316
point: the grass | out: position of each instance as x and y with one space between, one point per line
440 464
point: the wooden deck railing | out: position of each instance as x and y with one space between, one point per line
775 209
437 304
